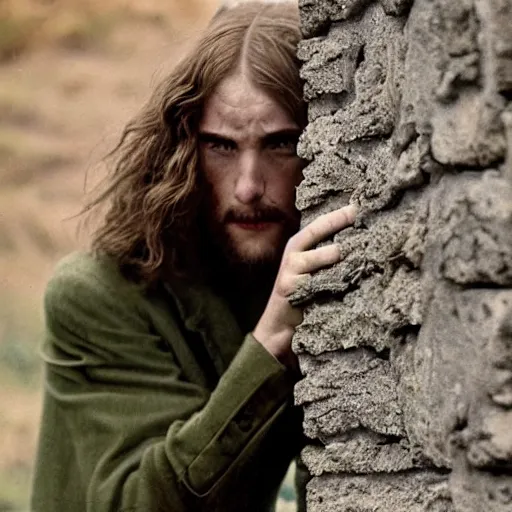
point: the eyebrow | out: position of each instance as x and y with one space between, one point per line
288 134
214 137
269 138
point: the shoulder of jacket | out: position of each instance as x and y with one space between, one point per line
82 275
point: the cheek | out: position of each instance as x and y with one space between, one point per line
284 182
216 174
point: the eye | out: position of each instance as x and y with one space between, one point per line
223 146
217 144
286 144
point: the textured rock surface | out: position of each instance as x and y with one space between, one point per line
406 345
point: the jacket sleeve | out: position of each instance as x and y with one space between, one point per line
140 436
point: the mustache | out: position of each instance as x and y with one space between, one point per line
260 214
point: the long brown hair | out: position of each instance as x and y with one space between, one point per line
154 189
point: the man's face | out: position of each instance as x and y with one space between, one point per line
248 158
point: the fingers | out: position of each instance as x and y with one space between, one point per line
322 227
314 259
297 267
291 283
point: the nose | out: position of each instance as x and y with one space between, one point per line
250 184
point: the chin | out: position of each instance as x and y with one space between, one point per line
256 252
251 248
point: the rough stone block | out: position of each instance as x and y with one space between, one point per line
369 258
351 391
370 316
332 173
362 59
474 238
361 453
367 171
406 344
443 84
498 15
317 16
473 490
330 65
456 381
414 491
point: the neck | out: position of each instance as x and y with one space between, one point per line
241 279
245 287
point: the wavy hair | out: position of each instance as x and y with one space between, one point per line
153 191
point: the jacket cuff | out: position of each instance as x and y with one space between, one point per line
246 401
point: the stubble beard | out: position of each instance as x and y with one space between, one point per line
238 254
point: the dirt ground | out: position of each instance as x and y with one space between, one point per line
66 91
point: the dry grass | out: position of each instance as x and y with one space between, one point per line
72 72
84 24
18 425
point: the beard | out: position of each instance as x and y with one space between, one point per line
242 266
251 258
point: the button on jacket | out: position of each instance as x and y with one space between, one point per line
156 401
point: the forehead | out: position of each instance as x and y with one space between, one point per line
237 108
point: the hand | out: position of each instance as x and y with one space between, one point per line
279 320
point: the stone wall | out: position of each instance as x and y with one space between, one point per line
406 345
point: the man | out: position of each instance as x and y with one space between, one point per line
169 372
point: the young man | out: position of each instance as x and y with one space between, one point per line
169 372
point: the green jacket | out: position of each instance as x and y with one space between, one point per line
155 401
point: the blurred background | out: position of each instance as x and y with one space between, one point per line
72 73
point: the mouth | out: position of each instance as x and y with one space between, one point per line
254 225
